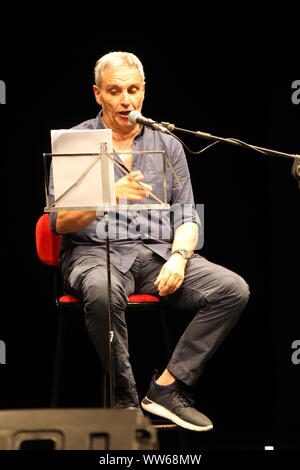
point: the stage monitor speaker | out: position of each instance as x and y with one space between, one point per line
76 429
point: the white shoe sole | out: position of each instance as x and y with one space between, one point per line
159 410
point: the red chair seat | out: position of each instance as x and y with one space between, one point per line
137 298
142 298
68 299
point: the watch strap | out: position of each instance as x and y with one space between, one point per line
184 253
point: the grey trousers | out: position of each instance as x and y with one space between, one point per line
214 296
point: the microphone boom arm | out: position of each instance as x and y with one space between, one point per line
240 143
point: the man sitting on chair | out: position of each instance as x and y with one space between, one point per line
158 260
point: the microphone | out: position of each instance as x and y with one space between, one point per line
135 117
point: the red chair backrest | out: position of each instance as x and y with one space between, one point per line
47 242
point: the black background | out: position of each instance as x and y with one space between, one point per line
250 389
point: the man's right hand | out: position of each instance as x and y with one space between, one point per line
127 188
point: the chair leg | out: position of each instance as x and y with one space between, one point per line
58 360
166 333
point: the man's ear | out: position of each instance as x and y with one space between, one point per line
97 94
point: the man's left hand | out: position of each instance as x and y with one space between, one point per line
171 275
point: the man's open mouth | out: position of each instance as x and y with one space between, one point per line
124 113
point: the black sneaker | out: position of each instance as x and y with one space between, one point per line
175 403
126 399
124 406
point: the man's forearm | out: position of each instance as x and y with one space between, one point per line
186 237
126 187
73 221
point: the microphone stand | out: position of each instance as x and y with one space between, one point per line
204 135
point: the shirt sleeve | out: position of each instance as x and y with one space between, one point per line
182 199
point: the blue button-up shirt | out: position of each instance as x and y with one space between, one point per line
129 229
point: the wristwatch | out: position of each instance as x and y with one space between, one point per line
184 253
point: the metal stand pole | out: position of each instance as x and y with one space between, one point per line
109 395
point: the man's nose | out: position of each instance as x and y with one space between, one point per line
125 98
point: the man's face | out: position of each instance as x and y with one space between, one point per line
122 90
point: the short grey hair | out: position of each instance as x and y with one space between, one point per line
115 59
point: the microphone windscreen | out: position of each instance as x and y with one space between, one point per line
133 116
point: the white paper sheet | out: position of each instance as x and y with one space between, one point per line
66 170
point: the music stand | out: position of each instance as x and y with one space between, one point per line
107 205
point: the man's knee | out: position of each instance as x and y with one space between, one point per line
236 290
97 295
